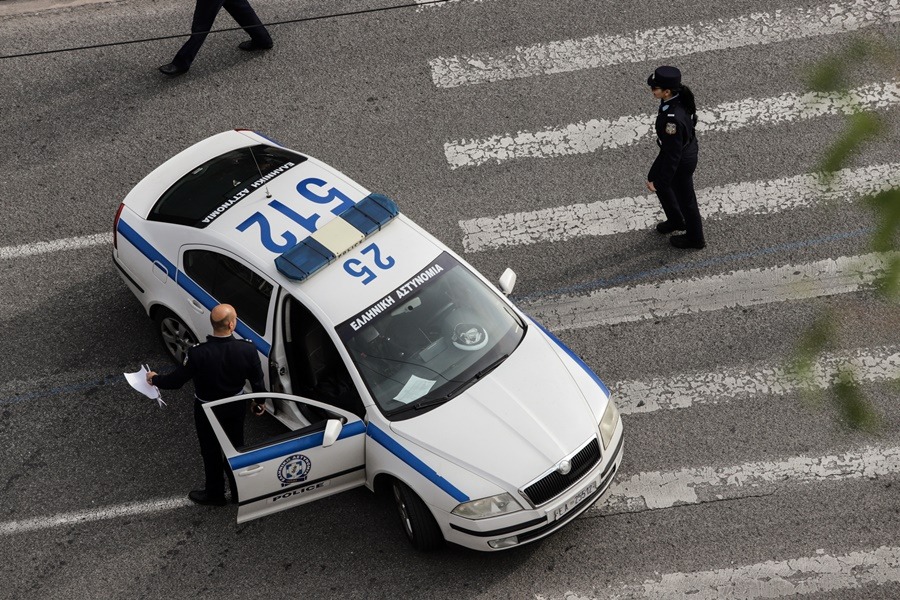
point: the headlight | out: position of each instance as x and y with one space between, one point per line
608 423
493 506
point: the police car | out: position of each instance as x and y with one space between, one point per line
392 363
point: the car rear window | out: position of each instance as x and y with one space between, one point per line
215 186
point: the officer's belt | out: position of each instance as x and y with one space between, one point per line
202 401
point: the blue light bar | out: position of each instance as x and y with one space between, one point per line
309 255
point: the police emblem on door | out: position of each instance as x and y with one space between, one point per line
294 469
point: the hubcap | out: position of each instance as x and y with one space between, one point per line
401 506
177 338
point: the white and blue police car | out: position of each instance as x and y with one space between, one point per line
392 363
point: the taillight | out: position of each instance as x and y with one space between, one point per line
116 227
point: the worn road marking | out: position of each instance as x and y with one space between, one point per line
87 516
665 42
598 134
427 4
722 385
620 215
666 489
770 579
749 287
72 243
644 491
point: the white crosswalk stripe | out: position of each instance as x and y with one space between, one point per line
72 243
620 215
802 576
716 292
663 43
727 383
665 489
599 134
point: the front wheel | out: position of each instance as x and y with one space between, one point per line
176 336
418 523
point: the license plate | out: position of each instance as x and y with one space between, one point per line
574 501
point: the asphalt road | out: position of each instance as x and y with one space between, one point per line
735 485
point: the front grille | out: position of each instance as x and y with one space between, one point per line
554 484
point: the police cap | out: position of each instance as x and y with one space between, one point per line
667 78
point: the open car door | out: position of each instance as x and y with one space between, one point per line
278 469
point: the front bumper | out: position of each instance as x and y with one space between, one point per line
529 525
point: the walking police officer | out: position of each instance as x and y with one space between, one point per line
219 367
672 173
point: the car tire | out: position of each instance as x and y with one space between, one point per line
417 521
175 335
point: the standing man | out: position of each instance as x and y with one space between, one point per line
672 173
204 15
219 367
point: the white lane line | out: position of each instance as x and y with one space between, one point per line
684 391
770 579
427 4
665 42
665 489
598 134
87 516
73 243
644 491
609 306
620 215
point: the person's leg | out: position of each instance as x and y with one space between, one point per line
674 219
683 185
246 17
211 453
205 13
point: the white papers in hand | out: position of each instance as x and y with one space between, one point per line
138 380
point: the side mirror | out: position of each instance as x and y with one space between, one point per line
507 282
332 431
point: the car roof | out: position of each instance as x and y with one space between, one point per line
266 222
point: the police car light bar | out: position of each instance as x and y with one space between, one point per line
337 237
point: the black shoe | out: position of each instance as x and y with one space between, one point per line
683 241
669 227
172 70
250 46
201 497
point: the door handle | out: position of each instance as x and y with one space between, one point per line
197 306
251 471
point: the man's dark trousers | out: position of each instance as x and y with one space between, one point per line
231 417
205 14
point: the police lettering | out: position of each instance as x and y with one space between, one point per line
300 490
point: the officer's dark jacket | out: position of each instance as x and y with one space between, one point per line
219 368
677 141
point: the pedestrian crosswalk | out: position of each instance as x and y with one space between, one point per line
669 292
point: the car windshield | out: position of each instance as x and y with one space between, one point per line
430 338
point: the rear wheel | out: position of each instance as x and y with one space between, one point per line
418 523
176 336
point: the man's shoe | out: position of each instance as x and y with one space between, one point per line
669 226
201 497
251 46
683 241
172 70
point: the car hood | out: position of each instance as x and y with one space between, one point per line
513 425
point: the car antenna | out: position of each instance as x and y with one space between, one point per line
258 170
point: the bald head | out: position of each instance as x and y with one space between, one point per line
223 318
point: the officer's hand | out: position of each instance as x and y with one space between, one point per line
650 186
150 376
258 408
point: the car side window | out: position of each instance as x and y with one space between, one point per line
230 282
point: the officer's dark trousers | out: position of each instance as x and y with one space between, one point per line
205 14
679 201
231 417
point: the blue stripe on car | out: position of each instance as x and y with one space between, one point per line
292 446
409 458
186 283
574 357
